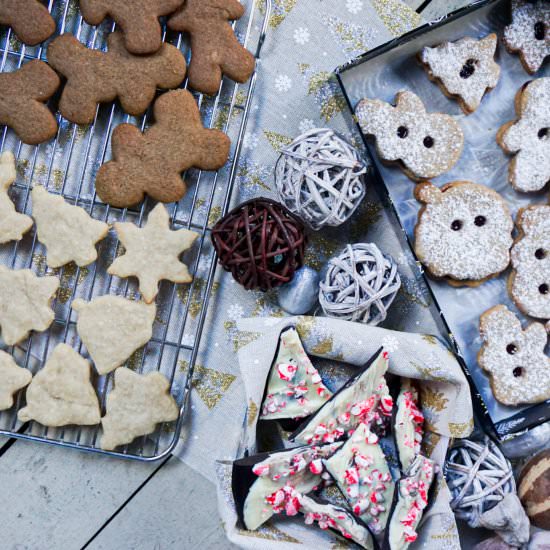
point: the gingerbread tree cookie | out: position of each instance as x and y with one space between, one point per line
30 19
514 358
12 379
152 162
214 46
95 76
528 137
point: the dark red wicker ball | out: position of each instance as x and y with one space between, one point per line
261 243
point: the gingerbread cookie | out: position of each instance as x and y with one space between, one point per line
424 144
139 20
528 137
529 32
465 70
30 20
152 162
514 358
12 379
215 48
529 282
463 233
94 76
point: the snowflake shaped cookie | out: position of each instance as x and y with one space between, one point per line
152 253
424 144
529 32
463 233
514 358
12 379
464 69
528 137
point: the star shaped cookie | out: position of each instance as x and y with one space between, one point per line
147 394
12 224
68 232
152 253
12 379
24 303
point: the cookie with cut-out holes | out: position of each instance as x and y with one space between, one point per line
463 233
514 357
424 144
528 137
464 70
529 282
529 33
30 20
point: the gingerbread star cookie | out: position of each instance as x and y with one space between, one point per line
135 406
68 232
112 328
152 253
464 69
12 224
24 303
12 379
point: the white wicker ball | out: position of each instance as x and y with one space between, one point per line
320 178
360 284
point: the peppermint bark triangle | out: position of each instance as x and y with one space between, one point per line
294 388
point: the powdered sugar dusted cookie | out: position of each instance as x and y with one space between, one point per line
529 32
464 69
528 137
529 282
514 358
463 233
12 379
425 144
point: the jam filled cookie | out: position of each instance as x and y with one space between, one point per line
425 144
464 69
463 233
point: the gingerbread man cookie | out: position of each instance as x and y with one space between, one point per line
215 48
529 282
463 233
529 32
464 69
514 358
424 144
152 162
30 20
94 76
528 137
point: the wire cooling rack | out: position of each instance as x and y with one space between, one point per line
67 165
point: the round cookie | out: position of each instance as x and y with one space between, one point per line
463 233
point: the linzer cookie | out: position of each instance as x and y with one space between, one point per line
22 97
424 145
528 137
139 19
30 20
95 76
214 46
152 162
463 233
465 70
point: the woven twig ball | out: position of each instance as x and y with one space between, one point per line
360 284
478 476
261 243
320 178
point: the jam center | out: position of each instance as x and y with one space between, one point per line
544 289
480 221
518 371
540 254
402 132
543 133
456 225
428 142
511 349
468 68
540 30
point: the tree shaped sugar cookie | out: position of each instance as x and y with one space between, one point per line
112 328
24 303
214 46
61 392
12 224
514 357
30 19
135 406
12 379
68 232
152 253
423 144
152 162
528 137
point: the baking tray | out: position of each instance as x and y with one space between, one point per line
381 73
67 165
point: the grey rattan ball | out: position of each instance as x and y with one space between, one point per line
320 178
360 284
